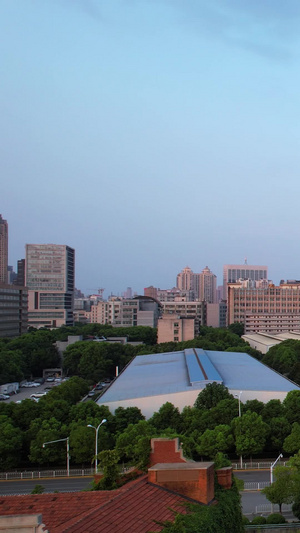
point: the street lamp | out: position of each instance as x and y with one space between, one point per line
272 466
96 441
68 450
240 414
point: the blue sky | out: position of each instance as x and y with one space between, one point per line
151 135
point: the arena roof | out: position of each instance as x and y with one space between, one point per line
180 372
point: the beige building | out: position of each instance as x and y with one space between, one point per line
50 274
274 309
173 328
122 312
3 250
13 310
195 309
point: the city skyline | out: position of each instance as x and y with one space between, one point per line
152 135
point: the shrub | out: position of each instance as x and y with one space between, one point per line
276 518
259 520
38 489
246 520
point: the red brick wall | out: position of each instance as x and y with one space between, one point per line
225 477
200 489
166 451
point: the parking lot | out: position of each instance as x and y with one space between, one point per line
26 391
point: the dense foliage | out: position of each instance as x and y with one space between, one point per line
226 516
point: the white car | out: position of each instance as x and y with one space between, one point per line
4 397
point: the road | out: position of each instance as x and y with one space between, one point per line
50 485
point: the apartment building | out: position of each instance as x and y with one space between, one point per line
176 329
50 274
205 286
271 309
122 312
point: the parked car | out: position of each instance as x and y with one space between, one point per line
4 397
50 379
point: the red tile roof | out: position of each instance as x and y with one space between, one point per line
132 508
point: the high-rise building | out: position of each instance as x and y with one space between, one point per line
234 273
20 280
185 280
206 286
50 274
13 310
3 250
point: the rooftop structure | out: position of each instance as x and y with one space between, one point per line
149 381
264 341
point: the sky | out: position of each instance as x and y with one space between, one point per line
151 135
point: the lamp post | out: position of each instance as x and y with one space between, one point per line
272 466
68 451
96 441
240 414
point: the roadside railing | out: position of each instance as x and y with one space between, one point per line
266 465
76 472
253 485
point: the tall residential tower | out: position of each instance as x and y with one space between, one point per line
3 250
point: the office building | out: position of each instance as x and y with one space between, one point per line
20 279
234 273
49 273
274 309
13 310
3 250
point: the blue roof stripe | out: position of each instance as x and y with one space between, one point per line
208 367
193 367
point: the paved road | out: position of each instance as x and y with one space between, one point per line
50 485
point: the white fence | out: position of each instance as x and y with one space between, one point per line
7 476
268 508
253 485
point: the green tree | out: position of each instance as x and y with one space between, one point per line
10 444
82 445
125 416
292 442
167 416
212 441
108 463
280 428
283 488
238 328
272 409
250 434
291 406
211 395
133 445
